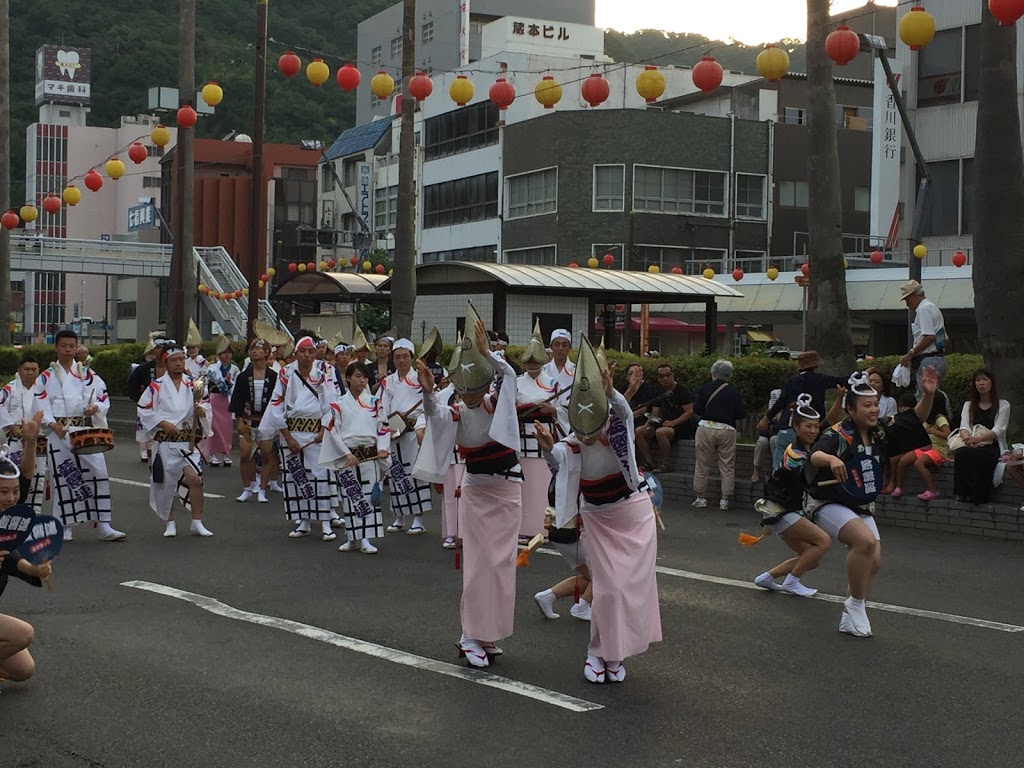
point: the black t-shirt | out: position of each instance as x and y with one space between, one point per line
904 432
672 405
9 567
644 394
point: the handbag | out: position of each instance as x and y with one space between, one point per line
956 442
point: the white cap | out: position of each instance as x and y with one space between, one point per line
405 344
561 333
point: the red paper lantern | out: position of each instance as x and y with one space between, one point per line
877 257
737 274
959 258
708 74
595 90
805 269
137 153
502 93
608 259
289 64
842 45
292 266
238 294
348 78
677 270
265 277
10 220
311 267
93 181
1006 12
353 260
573 265
420 86
331 263
379 269
187 116
51 204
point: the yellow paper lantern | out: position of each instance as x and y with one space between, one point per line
160 136
202 288
115 168
772 63
261 283
302 267
654 269
323 266
213 94
920 251
709 273
917 28
548 92
29 213
245 291
382 85
461 90
271 271
772 274
317 72
367 266
650 84
72 195
592 262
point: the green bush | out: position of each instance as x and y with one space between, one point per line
956 383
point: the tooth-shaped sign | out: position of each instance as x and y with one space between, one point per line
67 63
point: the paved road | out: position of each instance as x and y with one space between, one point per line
132 677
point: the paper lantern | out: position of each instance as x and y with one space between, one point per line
650 84
677 270
737 274
28 213
262 283
238 294
51 204
289 64
379 269
301 267
917 28
595 90
420 86
293 267
93 181
382 85
212 94
115 168
331 263
959 259
1006 12
573 265
311 267
323 265
367 266
348 78
502 93
608 259
245 292
772 274
592 262
10 220
271 271
877 257
187 116
708 74
654 269
160 136
772 63
708 273
203 288
317 72
72 195
920 251
354 260
461 90
265 277
805 270
548 92
137 153
842 45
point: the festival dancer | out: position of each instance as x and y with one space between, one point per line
15 409
535 401
858 443
562 370
355 441
249 401
599 461
72 398
401 399
174 413
195 364
139 380
782 509
221 376
485 428
568 543
300 406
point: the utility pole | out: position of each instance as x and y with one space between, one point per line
183 288
5 168
256 255
403 283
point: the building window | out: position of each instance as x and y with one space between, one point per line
948 68
326 178
385 209
794 116
461 130
532 194
862 199
750 261
350 172
154 151
377 56
750 196
396 47
427 33
792 194
609 187
461 201
484 253
151 182
127 310
678 190
543 256
691 260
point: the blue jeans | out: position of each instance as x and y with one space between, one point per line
783 440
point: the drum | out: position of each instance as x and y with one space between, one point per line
93 440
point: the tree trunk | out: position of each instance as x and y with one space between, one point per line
998 268
828 312
5 171
403 282
183 273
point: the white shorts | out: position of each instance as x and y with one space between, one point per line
575 553
832 517
784 522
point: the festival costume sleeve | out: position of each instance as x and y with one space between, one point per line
384 433
236 405
41 401
6 419
438 441
333 450
569 461
150 414
620 431
273 420
505 421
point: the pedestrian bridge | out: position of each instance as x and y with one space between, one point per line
89 257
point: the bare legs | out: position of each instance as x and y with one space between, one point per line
16 663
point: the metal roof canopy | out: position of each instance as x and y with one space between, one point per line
333 286
599 286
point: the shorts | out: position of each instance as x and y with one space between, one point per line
575 553
784 522
931 453
832 517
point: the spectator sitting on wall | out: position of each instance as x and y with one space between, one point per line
669 420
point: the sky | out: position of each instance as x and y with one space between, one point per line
748 21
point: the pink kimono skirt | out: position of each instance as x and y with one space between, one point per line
536 478
223 429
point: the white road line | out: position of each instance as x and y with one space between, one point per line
920 613
137 484
371 649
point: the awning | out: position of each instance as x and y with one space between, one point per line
761 337
663 325
332 286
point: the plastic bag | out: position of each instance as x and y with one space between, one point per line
901 376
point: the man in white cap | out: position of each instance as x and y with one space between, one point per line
562 370
15 410
402 407
929 330
174 414
485 429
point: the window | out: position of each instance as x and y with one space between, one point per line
481 253
154 151
532 194
326 178
396 48
691 260
427 33
127 310
949 67
461 201
609 187
385 209
794 116
350 172
862 199
377 56
792 194
750 197
600 250
151 182
677 190
461 130
544 256
750 261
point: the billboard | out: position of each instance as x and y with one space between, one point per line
62 75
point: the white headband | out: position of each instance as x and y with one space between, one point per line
342 348
804 409
8 469
561 333
305 341
405 344
859 386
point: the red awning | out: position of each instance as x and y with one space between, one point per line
664 325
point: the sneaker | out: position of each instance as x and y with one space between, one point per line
723 505
793 586
472 652
615 671
171 530
245 496
594 670
367 548
928 496
198 529
765 581
546 603
349 546
857 623
700 503
581 610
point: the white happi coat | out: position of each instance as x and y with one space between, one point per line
16 407
403 396
81 484
564 379
196 366
163 401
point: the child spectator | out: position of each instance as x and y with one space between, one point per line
909 436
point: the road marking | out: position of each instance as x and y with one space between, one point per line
371 649
920 613
137 484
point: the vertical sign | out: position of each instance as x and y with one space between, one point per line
886 142
364 192
464 33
